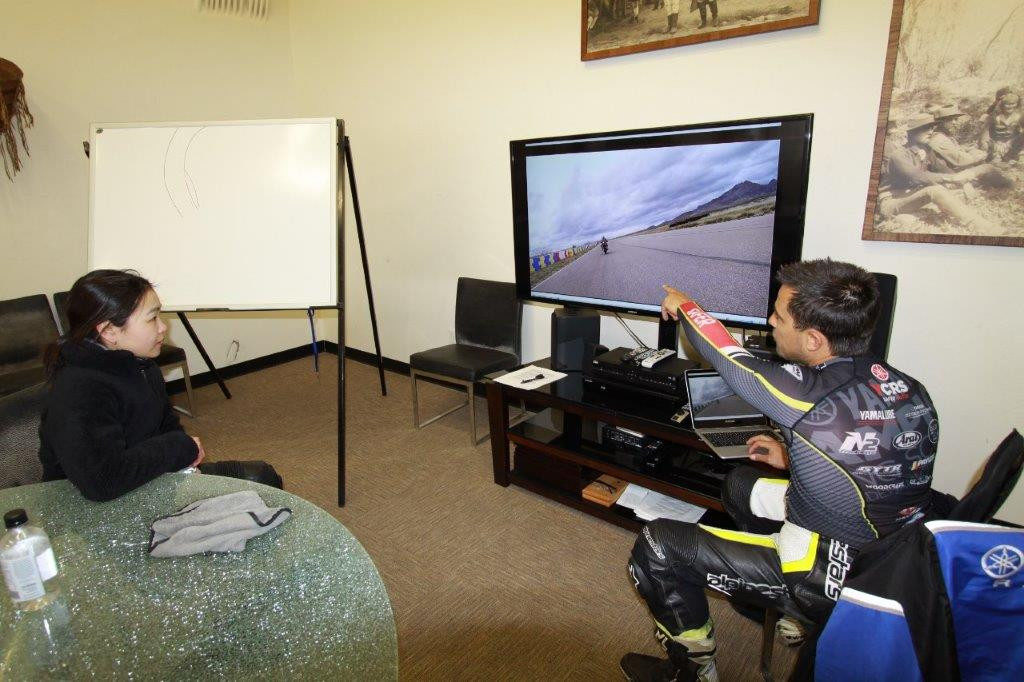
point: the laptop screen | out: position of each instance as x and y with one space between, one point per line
712 400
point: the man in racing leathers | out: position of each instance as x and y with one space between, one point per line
860 445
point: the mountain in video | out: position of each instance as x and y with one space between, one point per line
737 195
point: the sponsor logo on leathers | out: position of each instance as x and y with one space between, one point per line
891 391
908 511
885 487
838 564
727 585
858 443
918 463
920 480
795 370
880 470
877 415
933 430
917 411
823 413
879 372
907 440
654 545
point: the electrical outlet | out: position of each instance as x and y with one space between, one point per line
233 349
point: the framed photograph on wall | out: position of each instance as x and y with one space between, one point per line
615 27
948 164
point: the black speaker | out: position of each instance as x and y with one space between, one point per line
886 307
574 337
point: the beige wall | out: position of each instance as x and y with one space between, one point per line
130 60
433 91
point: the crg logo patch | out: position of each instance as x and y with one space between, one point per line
907 440
1001 563
879 372
795 370
857 443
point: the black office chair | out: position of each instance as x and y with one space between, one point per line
28 328
982 502
19 436
488 323
171 356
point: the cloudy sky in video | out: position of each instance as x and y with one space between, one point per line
577 198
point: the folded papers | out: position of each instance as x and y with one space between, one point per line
649 505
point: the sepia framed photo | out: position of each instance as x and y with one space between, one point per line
948 164
615 27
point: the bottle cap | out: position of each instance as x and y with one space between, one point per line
15 518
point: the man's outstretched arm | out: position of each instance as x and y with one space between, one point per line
781 392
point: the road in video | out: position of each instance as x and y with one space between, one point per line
700 218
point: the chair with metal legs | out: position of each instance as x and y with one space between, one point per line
488 323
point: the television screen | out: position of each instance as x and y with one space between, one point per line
604 220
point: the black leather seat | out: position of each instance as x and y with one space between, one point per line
20 413
488 323
468 363
171 356
28 328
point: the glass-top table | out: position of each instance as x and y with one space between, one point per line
303 601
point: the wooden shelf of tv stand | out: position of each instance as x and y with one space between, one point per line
557 450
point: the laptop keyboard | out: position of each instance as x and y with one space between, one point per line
723 438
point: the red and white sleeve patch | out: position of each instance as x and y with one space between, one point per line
709 327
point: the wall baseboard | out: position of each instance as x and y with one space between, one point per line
245 367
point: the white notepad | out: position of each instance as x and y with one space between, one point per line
530 377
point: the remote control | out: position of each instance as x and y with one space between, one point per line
656 357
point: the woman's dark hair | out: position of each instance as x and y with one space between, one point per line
840 300
94 298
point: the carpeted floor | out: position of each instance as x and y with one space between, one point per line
487 583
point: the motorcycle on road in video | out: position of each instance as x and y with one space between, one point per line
604 245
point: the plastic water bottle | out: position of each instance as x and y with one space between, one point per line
27 562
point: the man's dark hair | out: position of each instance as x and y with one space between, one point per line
840 300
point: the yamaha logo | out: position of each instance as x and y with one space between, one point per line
906 440
1001 563
879 372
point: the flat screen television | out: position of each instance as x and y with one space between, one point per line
713 209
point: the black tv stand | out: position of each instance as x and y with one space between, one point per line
557 453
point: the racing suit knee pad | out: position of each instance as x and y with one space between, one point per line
661 547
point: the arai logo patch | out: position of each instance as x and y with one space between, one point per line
907 440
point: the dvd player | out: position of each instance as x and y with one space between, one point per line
666 378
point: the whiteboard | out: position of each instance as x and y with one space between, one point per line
236 215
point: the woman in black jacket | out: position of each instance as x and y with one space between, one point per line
108 425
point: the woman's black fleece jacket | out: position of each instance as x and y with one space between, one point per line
108 426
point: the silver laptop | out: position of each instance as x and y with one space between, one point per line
721 418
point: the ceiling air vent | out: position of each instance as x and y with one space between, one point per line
250 9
